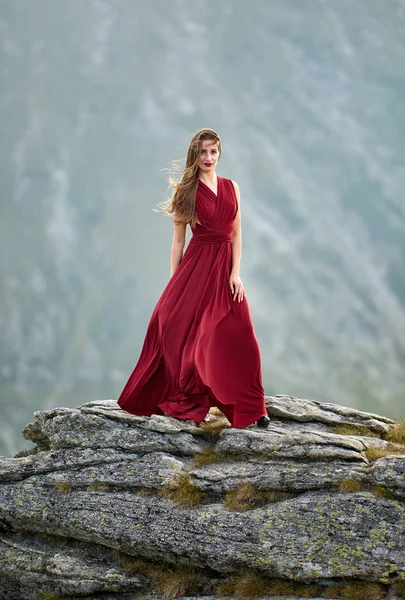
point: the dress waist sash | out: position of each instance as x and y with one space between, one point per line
210 239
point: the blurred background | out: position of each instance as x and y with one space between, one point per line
98 96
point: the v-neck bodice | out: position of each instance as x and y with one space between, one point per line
216 212
208 187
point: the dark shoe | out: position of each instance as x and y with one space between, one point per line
263 422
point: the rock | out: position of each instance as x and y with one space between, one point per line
276 442
92 428
127 470
277 474
98 507
389 472
329 529
150 597
33 564
324 412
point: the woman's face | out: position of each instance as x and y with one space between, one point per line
207 161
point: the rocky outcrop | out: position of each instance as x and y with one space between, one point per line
111 505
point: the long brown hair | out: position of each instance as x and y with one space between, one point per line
182 201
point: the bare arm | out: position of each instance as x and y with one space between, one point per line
236 236
235 282
178 243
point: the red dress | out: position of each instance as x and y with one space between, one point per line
200 349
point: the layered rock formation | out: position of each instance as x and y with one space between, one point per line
111 505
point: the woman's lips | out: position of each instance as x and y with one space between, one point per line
208 164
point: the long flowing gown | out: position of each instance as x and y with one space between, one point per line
200 348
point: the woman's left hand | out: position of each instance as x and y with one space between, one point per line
237 287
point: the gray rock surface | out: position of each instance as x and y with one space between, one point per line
390 472
305 410
101 484
277 474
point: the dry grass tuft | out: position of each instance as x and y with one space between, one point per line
214 411
181 490
332 591
346 429
250 584
131 564
398 587
218 421
47 596
170 581
277 495
350 485
396 433
307 590
243 497
396 448
173 582
380 490
103 487
147 492
279 587
359 590
179 582
62 486
363 591
373 453
246 497
232 456
212 429
208 456
391 449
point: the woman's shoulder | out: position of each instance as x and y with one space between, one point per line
229 181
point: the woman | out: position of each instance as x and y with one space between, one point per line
200 349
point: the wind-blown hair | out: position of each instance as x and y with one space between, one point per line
181 204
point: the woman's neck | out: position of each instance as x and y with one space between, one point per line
208 178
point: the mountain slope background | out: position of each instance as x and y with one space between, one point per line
97 97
